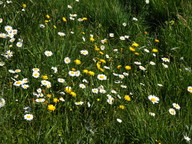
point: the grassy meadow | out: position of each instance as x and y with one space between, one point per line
95 72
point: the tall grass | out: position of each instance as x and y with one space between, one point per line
166 21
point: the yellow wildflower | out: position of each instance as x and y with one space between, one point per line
68 89
127 98
44 77
55 100
51 107
73 94
137 53
48 95
102 60
127 67
92 39
47 16
91 73
131 49
101 53
85 71
119 66
24 5
64 19
156 40
155 50
121 106
135 44
54 26
46 21
77 62
98 99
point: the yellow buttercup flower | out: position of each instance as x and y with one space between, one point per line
77 62
135 44
127 67
85 71
47 16
119 66
55 100
44 77
156 40
155 50
127 98
54 26
51 107
92 39
121 106
73 94
64 19
91 73
137 53
131 49
24 5
48 95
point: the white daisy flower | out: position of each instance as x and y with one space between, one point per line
121 76
79 103
165 66
67 60
187 138
147 1
77 73
72 73
61 80
36 74
82 86
146 50
18 83
119 120
84 52
35 69
48 53
142 68
101 77
151 114
61 34
176 106
1 20
137 63
39 90
8 28
153 99
2 102
152 63
189 89
54 69
102 91
111 34
135 19
122 38
2 63
25 86
41 25
40 100
19 44
172 111
165 59
95 90
28 117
